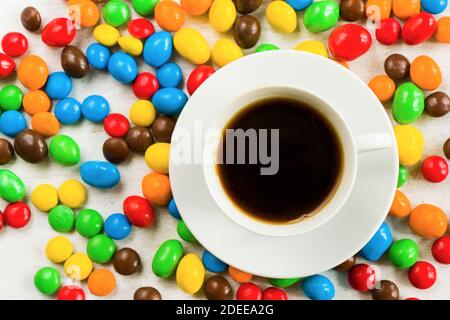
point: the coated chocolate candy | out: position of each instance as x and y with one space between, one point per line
139 139
126 261
437 104
385 290
74 62
346 265
352 10
247 6
446 148
31 146
6 151
217 288
115 150
397 66
147 293
31 19
247 31
162 128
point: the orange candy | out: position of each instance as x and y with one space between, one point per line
36 101
169 15
426 73
45 123
383 87
32 72
239 276
428 221
101 282
443 30
196 7
156 188
403 9
83 12
377 10
401 206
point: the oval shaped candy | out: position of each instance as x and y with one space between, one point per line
321 16
32 72
377 10
59 32
428 221
222 15
141 28
12 122
409 144
139 211
419 28
12 188
169 75
59 85
349 41
389 31
226 51
166 258
212 263
131 45
100 174
7 66
123 67
318 287
434 6
74 62
409 103
191 45
403 9
197 77
64 150
116 13
299 5
158 49
169 15
190 274
404 253
169 101
378 244
281 16
98 56
106 35
425 73
247 31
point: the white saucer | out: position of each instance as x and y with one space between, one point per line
320 249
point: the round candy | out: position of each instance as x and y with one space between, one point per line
318 287
352 10
321 16
102 282
212 263
385 290
169 75
443 34
383 87
68 111
217 288
115 150
61 218
401 207
408 104
404 253
361 277
147 293
70 293
17 214
126 261
162 128
64 150
142 113
32 72
377 10
169 15
12 122
437 104
434 7
426 73
156 188
313 46
166 258
144 7
248 6
12 188
14 44
31 19
74 62
59 32
397 66
139 211
422 275
246 31
131 45
239 276
123 67
173 210
349 41
78 266
222 15
184 232
169 101
45 123
197 77
435 169
249 291
272 293
89 222
402 176
100 174
139 139
98 56
116 125
106 35
283 283
117 226
378 244
195 7
6 151
58 249
158 48
281 16
266 47
44 197
145 85
403 9
95 108
100 248
389 31
47 280
10 97
84 12
428 221
7 66
409 143
116 13
72 193
157 157
59 85
346 265
226 51
441 250
141 28
419 28
30 146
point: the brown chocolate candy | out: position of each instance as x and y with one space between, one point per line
162 128
385 290
246 31
397 66
74 62
139 139
247 6
352 10
6 151
115 150
147 293
447 148
217 288
31 19
126 261
31 146
346 265
437 104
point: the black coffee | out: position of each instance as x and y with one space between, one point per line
309 166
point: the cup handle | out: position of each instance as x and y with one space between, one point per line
373 142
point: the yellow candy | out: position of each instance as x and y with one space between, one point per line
226 51
131 45
44 197
58 249
191 45
222 15
313 46
106 35
72 193
142 113
157 157
190 274
409 143
281 16
78 266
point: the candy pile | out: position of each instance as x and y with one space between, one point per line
120 41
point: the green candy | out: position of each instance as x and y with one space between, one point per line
402 176
404 253
144 7
167 257
12 188
101 248
184 232
409 103
61 218
89 223
116 13
266 47
283 283
11 97
321 16
64 150
47 280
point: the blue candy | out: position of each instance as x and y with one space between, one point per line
98 56
173 210
318 287
68 111
434 6
59 85
212 263
95 108
12 122
123 67
117 226
169 101
378 245
100 174
158 49
169 75
299 5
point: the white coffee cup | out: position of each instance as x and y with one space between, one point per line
351 147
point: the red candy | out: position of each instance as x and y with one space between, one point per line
7 66
59 32
419 28
145 85
435 169
14 44
411 298
349 41
139 211
141 28
422 275
197 77
361 277
389 31
17 215
71 293
441 250
116 125
249 291
273 293
2 221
